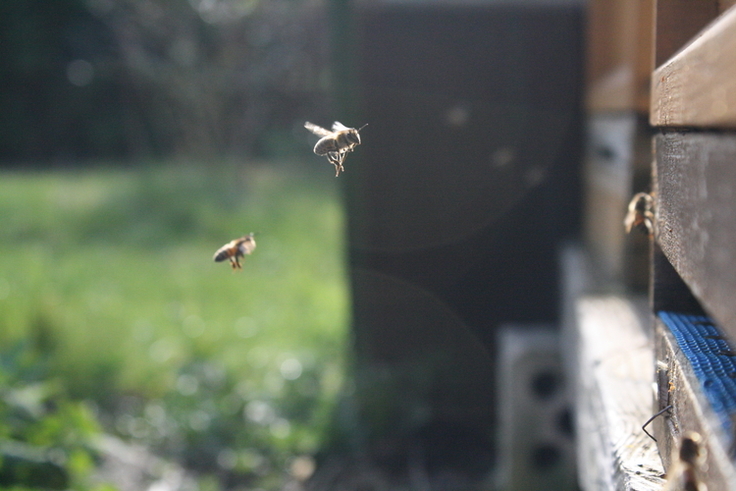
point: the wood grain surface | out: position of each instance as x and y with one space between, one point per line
697 87
696 216
614 396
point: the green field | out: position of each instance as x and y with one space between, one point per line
107 272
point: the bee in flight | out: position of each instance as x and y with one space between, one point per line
335 144
235 249
640 214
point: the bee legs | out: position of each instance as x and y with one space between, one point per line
235 263
336 159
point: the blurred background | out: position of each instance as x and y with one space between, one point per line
109 79
361 346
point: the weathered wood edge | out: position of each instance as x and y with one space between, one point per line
697 86
614 396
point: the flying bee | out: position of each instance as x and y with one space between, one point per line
640 214
235 249
335 144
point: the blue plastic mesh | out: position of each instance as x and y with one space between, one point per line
712 360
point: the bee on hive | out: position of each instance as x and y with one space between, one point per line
640 214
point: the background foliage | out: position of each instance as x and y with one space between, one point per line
119 336
106 275
102 78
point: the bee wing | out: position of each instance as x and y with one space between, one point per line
247 244
317 130
630 221
338 126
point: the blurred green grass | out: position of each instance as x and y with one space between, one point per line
109 272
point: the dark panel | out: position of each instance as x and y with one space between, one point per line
668 290
466 182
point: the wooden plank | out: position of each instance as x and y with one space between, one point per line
614 396
698 86
619 55
690 410
695 222
677 22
